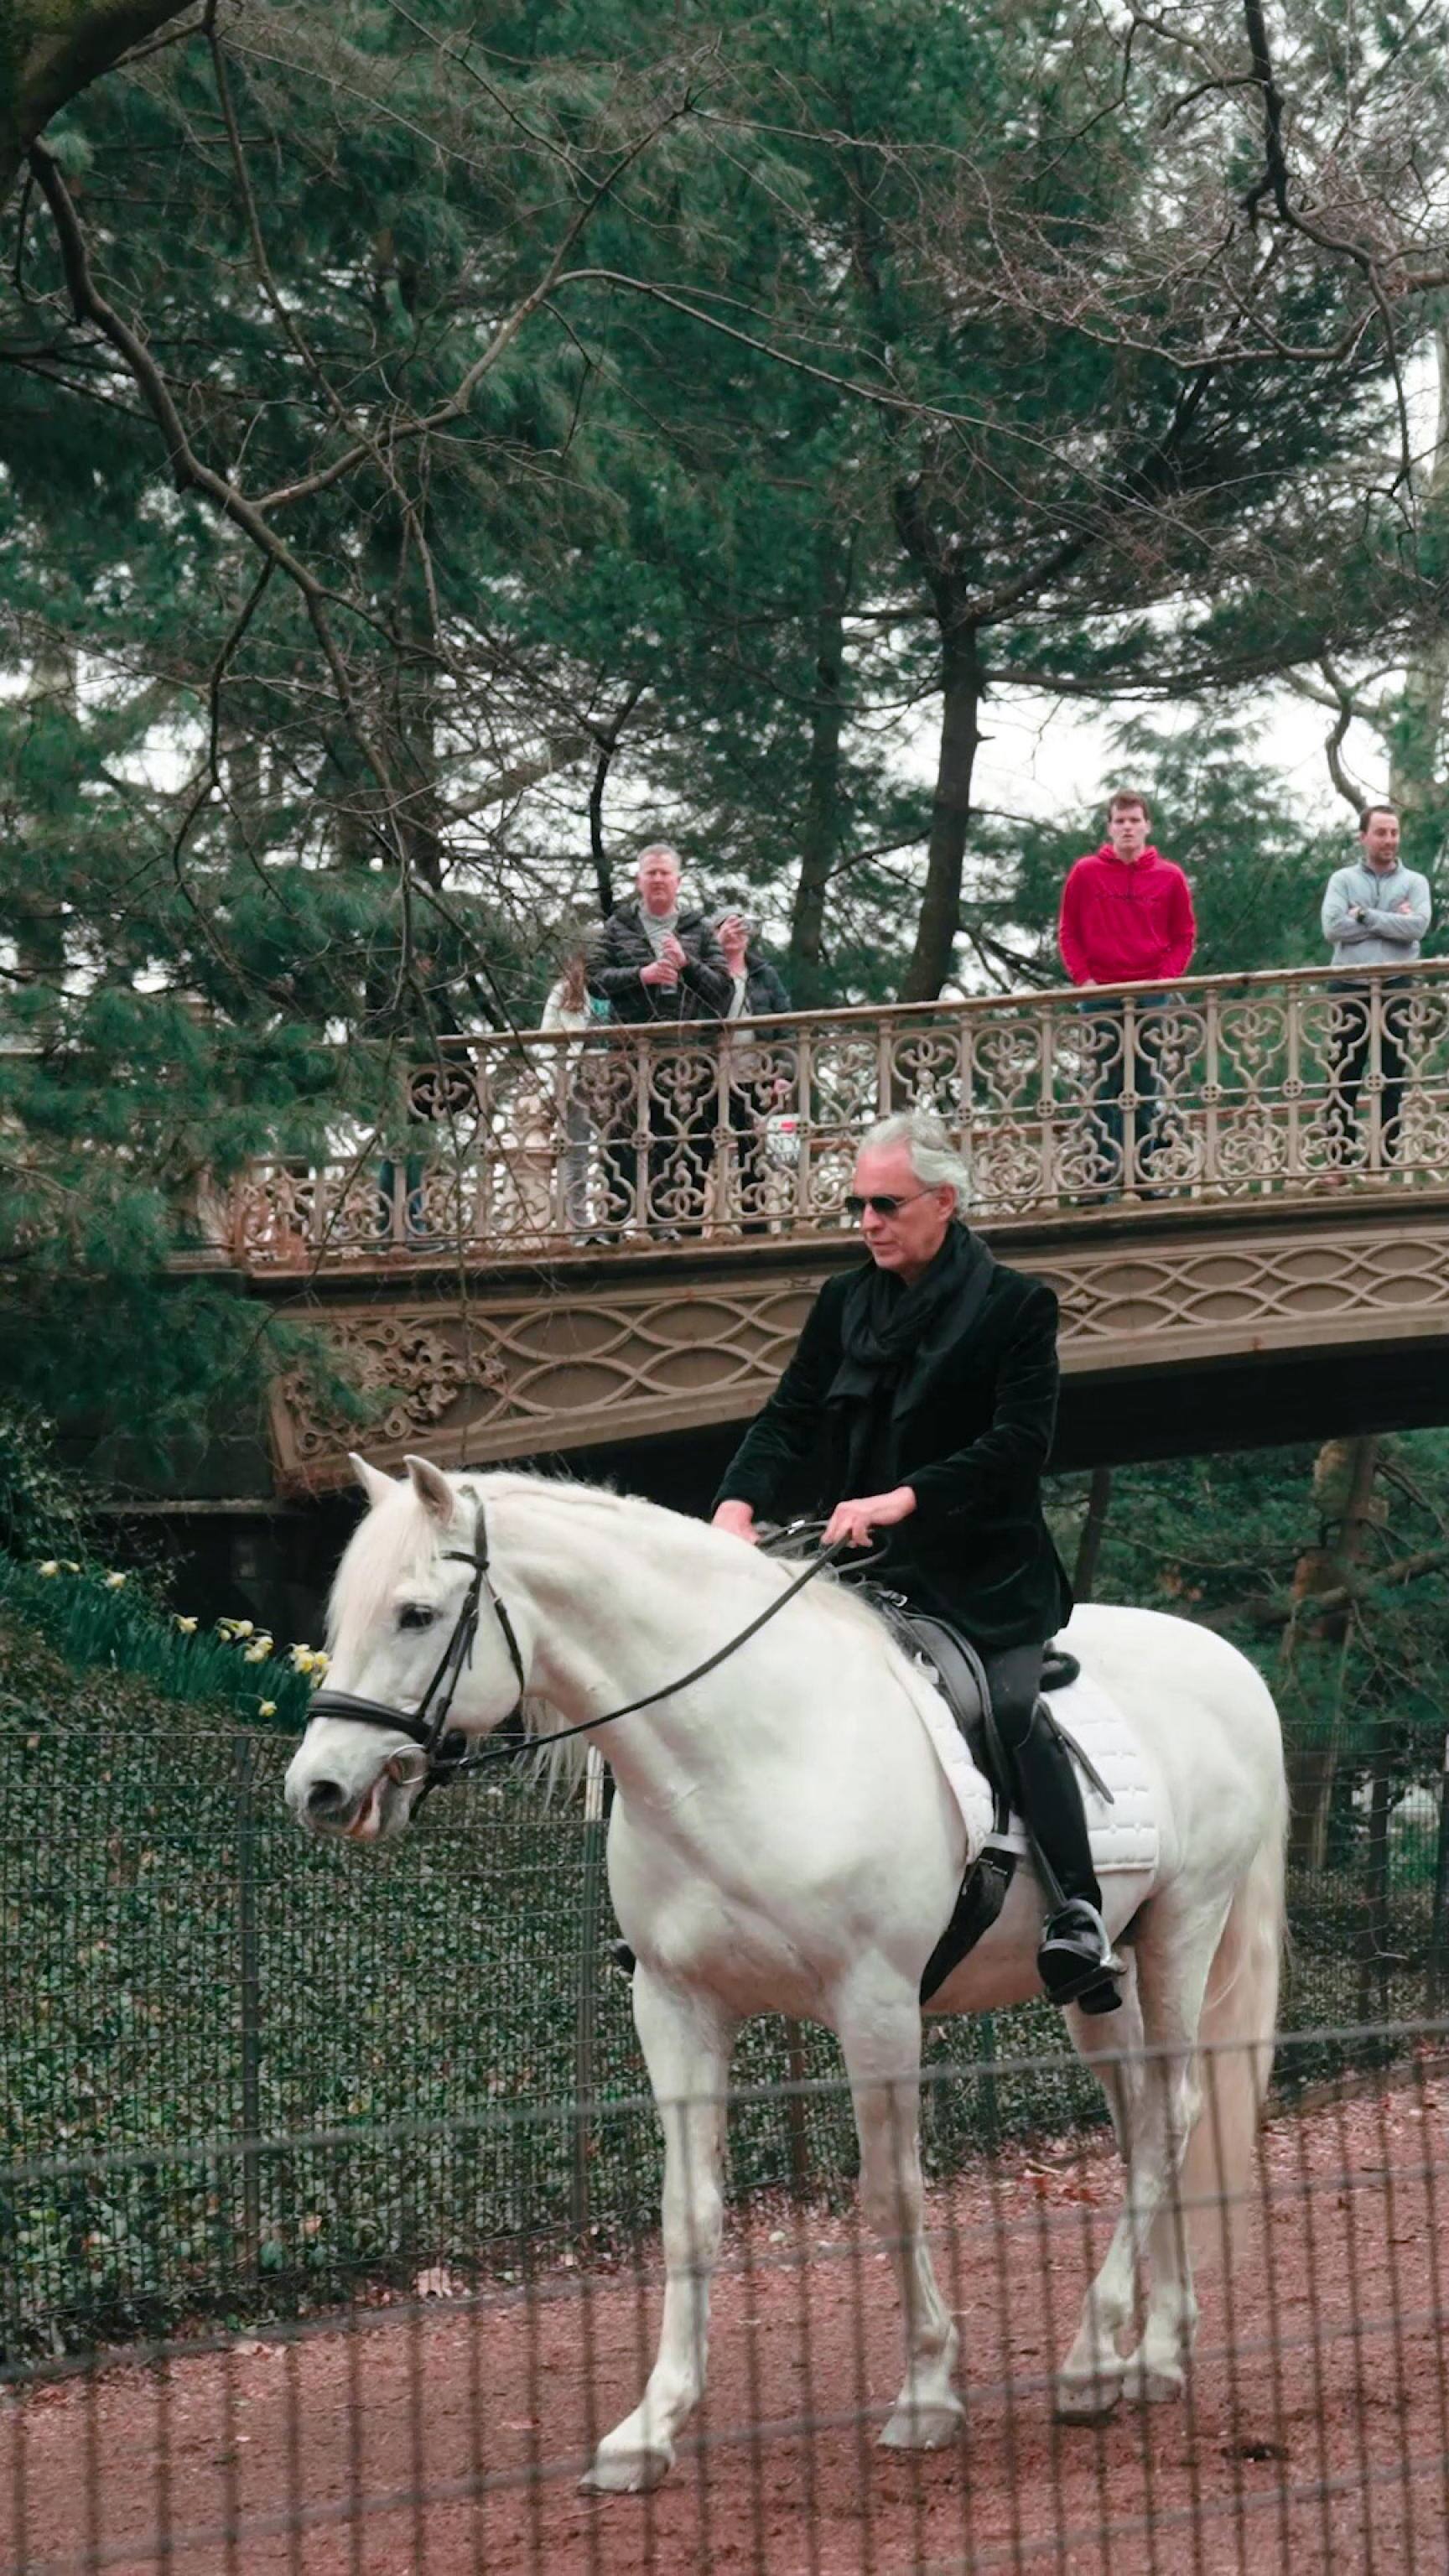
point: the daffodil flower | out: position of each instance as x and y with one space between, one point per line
114 1582
258 1653
266 1708
51 1565
186 1626
241 1627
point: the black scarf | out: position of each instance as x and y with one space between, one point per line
891 1335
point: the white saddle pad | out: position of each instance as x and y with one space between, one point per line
1124 1835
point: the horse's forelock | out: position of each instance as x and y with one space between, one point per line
396 1542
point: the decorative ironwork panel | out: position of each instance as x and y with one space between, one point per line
505 1378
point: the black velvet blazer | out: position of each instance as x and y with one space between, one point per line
974 1431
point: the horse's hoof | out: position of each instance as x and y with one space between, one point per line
1152 2383
923 2428
631 2472
1088 2399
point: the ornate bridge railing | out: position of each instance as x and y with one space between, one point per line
1226 1089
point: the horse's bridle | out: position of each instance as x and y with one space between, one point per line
444 1748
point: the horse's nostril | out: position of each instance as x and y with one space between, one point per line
325 1797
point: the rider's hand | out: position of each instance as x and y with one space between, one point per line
854 1521
739 1520
660 970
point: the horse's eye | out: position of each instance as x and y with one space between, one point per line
415 1614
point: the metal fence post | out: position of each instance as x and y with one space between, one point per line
796 2123
586 2012
250 2004
1439 1917
1374 1976
989 2096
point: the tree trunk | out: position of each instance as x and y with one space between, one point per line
940 916
1417 738
1094 1530
40 928
820 838
1343 1484
50 50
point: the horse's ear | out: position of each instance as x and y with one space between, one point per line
374 1483
432 1489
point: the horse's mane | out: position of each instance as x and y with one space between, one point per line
782 1563
399 1540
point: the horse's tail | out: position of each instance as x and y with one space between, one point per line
1239 2018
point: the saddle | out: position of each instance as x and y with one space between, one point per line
950 1662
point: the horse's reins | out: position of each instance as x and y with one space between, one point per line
444 1747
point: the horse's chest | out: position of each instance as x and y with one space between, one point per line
695 1928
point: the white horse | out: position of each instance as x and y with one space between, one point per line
783 1839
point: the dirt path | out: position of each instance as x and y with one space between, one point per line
447 2437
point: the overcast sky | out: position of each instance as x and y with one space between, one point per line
1049 757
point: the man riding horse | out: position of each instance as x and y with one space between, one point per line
926 1382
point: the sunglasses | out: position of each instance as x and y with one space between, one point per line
881 1202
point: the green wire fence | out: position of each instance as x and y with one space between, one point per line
180 1965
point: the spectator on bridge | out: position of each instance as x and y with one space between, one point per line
754 1078
570 1011
1126 918
659 966
1375 913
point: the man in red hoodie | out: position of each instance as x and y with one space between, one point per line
1126 919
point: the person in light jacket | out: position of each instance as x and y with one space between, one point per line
568 1012
1375 913
755 1074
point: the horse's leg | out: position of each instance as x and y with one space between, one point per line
881 2041
1174 1965
686 2041
1154 2103
1090 2379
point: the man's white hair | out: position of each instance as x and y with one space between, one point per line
659 850
927 1139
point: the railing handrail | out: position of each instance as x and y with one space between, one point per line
975 1005
1062 996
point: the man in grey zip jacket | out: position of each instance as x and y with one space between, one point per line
1375 913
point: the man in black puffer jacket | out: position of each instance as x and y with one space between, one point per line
660 966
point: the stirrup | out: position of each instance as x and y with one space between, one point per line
1076 1960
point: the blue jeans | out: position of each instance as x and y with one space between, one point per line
1107 1116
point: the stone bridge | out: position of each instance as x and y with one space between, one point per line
1240 1191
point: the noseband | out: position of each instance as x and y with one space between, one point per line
444 1749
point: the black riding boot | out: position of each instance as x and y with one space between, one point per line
1076 1957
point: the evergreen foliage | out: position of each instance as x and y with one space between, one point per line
440 451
